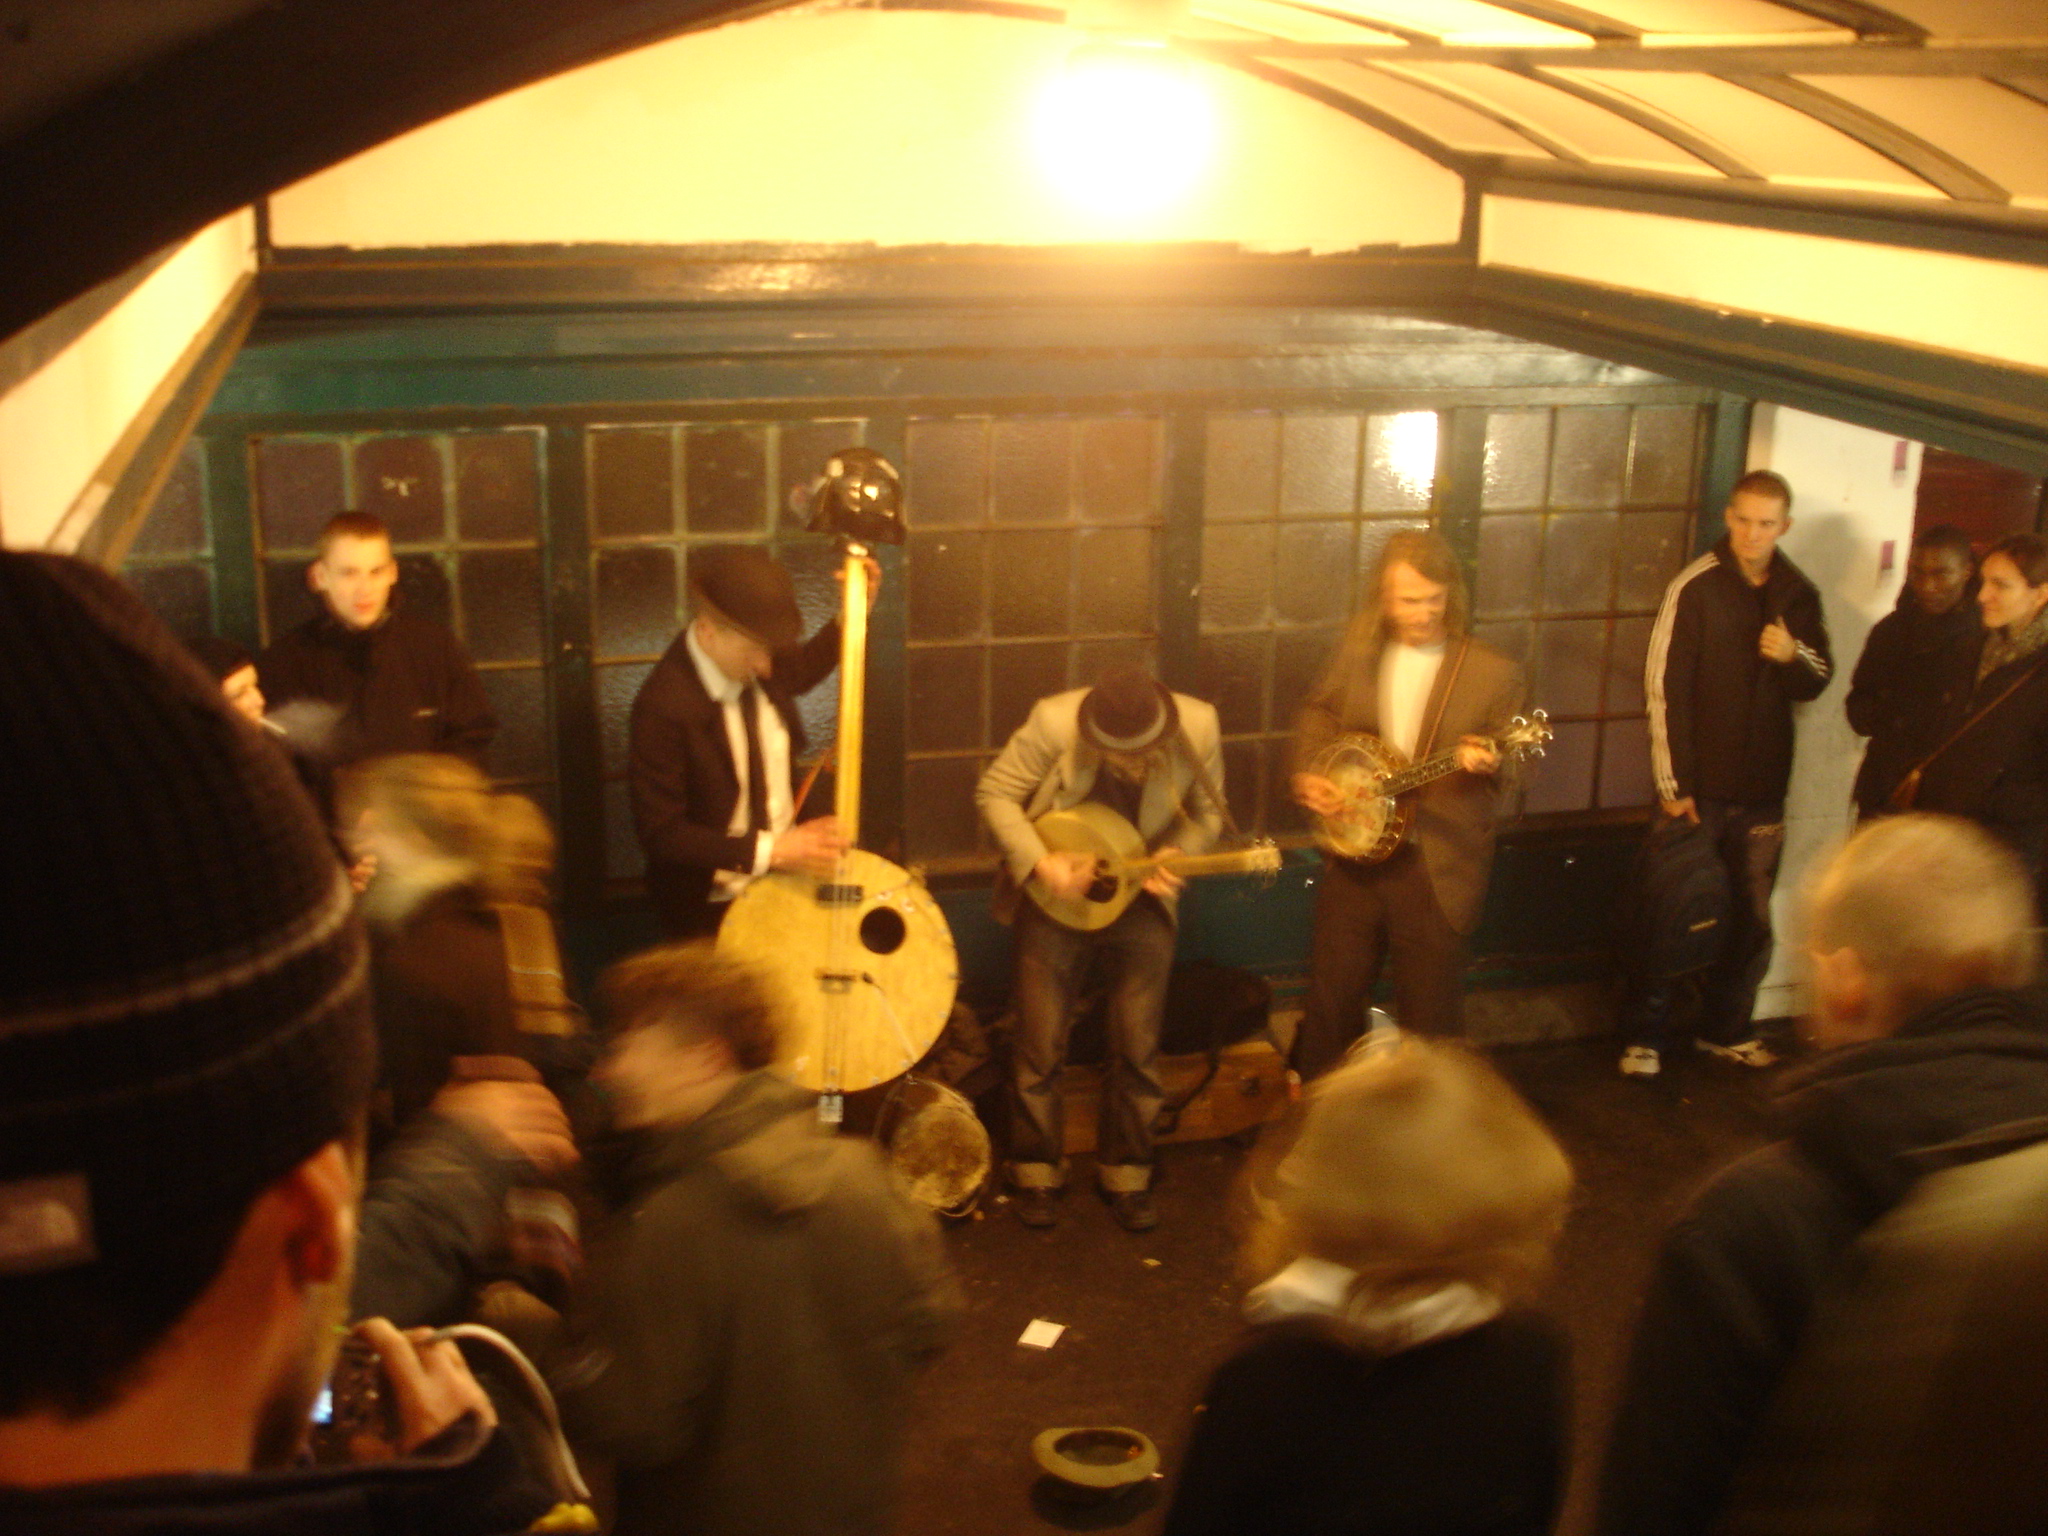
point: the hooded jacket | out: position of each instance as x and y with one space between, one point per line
1740 1273
756 1316
1720 714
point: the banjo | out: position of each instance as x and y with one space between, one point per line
864 961
1372 776
1122 865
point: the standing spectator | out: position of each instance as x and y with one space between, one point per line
1908 678
185 1059
1393 1382
1991 761
451 858
1740 638
400 681
1409 673
759 1310
1919 929
235 670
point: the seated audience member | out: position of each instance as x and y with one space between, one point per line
757 1314
1989 761
1393 1383
1909 676
456 863
401 681
1918 930
185 1062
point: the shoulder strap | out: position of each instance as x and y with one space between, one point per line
533 972
1914 773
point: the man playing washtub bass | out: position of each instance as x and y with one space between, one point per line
1409 674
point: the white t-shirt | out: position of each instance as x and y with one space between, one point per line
1407 673
725 883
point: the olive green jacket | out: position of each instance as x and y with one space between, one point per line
754 1320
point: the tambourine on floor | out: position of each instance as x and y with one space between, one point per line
936 1145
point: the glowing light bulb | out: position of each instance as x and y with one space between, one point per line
1124 130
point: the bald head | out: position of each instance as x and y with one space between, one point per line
1914 909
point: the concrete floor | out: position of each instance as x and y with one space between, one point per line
1148 1317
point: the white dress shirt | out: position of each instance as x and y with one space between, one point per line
1407 673
726 883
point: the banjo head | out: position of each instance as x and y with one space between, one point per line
898 950
1358 766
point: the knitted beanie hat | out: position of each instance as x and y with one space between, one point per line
183 1010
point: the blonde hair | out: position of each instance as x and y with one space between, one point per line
500 841
1416 1165
1932 906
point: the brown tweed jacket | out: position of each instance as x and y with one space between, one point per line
1456 817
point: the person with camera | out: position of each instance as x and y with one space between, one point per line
186 1057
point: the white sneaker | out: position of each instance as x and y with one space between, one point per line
1744 1053
1641 1061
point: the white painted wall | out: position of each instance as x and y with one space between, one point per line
1850 497
58 424
849 127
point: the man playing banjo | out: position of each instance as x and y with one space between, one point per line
1155 758
1408 674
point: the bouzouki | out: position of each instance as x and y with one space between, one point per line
1122 866
864 960
1372 776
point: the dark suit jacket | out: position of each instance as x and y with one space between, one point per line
1455 817
684 782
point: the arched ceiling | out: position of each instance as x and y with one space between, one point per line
125 125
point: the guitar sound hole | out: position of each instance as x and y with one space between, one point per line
883 930
1104 888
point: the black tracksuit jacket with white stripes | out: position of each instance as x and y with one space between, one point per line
1720 714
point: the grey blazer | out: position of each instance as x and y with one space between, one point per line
1048 767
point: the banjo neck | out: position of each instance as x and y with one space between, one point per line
1428 771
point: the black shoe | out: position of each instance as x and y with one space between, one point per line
1133 1209
1036 1207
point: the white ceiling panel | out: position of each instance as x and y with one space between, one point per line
1458 127
1591 132
1275 18
2006 20
1786 145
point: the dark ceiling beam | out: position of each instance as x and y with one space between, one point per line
1928 161
1394 126
1652 120
1868 22
269 98
2027 59
2033 87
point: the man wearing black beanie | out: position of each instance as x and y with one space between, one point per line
185 1061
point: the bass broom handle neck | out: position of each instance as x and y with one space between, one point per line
853 671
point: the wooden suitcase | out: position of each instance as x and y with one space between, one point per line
1249 1088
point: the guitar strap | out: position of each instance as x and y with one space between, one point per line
1908 790
1207 786
1428 737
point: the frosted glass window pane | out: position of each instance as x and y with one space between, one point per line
1319 466
1242 471
1029 471
1517 459
945 473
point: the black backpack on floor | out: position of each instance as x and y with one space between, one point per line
1677 906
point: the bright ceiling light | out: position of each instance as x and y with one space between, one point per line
1125 130
1411 452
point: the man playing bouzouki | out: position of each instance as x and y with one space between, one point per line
1408 674
1155 758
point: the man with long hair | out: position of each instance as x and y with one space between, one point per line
1409 674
